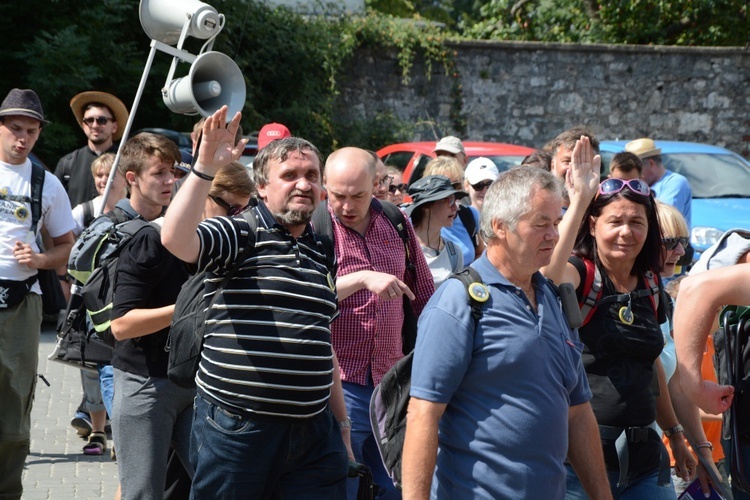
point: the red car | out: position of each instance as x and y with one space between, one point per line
411 157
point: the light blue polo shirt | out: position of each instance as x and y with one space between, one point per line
508 386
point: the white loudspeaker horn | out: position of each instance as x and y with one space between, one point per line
214 80
163 20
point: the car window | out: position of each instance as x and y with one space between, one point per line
399 160
503 163
711 176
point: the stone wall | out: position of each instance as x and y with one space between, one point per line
526 93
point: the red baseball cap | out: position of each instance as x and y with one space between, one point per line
271 132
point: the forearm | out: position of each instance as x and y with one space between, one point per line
349 284
55 257
178 234
338 406
140 322
420 448
665 416
568 230
585 452
686 412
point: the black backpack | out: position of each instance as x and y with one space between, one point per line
470 223
323 226
390 398
732 362
186 332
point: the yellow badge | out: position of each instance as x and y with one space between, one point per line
626 315
21 213
479 292
331 284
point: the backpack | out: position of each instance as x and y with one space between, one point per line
323 226
76 343
88 213
187 329
470 223
591 295
732 362
98 290
390 398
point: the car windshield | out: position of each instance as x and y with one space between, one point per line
504 163
711 175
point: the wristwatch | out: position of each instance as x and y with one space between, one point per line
673 430
345 424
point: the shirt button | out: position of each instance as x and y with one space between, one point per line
528 308
518 292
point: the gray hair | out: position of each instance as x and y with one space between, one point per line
509 197
279 150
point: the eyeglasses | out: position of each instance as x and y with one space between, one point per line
671 243
456 185
100 120
231 209
614 185
451 201
397 187
481 186
385 181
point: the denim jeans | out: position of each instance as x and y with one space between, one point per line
365 449
645 488
236 456
107 383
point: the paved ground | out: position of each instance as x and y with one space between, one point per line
57 467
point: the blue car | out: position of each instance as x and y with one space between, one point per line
719 178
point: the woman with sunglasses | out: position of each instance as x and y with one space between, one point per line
479 175
465 230
396 187
619 240
433 207
231 191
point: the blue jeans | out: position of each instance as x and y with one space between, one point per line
365 449
107 383
242 457
645 488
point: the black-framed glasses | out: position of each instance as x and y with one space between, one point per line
385 181
397 187
671 243
480 186
100 120
614 185
230 209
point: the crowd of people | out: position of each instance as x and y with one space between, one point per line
318 265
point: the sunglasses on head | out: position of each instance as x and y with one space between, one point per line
231 209
614 185
671 243
100 120
397 187
480 186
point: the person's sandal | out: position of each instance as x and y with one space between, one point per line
97 444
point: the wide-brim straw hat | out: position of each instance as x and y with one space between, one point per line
118 109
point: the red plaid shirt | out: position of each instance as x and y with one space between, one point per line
367 334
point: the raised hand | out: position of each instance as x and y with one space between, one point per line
217 146
582 179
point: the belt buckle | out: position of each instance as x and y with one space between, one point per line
637 434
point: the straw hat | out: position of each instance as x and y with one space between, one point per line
643 148
113 103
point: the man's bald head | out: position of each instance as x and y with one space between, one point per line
349 163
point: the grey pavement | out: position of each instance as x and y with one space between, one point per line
57 467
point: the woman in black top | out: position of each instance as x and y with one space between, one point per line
619 240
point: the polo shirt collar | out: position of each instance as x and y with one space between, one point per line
491 276
269 221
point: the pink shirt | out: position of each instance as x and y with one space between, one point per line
367 334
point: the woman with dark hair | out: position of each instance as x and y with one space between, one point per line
618 251
434 205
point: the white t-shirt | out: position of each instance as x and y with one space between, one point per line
78 214
15 216
440 263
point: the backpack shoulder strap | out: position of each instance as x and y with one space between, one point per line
452 254
88 213
592 290
37 188
397 219
475 289
467 219
654 284
321 221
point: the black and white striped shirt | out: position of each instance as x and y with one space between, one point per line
267 348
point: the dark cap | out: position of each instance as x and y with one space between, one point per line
23 102
431 188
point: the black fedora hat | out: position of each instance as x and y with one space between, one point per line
23 102
431 188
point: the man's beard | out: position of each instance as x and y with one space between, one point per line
294 217
99 140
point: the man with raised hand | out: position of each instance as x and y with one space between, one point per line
269 415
